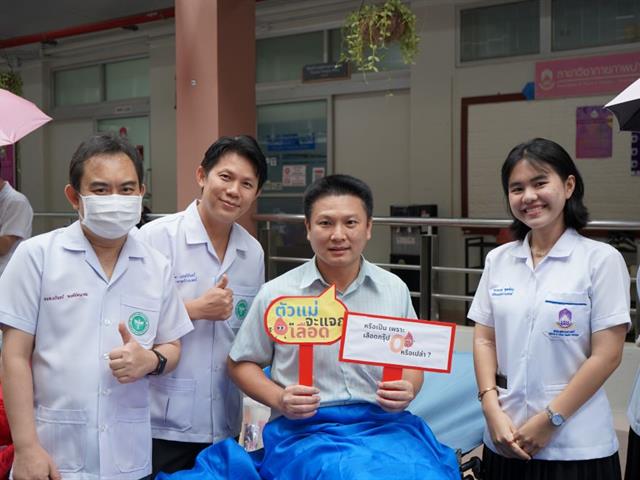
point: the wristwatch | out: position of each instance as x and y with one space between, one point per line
554 417
162 363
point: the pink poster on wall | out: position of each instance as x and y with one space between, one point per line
8 164
577 77
594 132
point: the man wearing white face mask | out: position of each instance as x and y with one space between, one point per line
88 311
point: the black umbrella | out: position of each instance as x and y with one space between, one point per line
626 107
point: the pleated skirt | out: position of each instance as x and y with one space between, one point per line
497 467
632 469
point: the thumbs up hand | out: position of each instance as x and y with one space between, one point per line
131 361
214 304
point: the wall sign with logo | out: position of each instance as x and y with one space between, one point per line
583 76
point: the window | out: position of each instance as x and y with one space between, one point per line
592 23
128 79
78 86
496 31
103 82
282 58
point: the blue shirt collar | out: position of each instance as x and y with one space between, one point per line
311 274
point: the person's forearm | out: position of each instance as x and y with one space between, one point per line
17 382
415 377
171 352
250 378
485 365
604 359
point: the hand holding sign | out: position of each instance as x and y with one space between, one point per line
395 396
131 361
306 321
299 401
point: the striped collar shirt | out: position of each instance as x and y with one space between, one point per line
375 291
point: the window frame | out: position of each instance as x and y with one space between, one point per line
134 106
546 52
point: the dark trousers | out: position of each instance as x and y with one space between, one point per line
632 470
170 456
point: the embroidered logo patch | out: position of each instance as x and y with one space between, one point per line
138 323
566 326
242 307
564 319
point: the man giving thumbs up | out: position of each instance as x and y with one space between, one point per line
218 268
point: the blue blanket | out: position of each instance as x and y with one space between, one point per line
350 442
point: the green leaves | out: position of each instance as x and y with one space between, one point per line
11 81
368 31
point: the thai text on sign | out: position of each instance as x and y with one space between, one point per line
306 321
397 343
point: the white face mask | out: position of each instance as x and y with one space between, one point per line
111 216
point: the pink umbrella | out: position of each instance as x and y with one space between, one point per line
18 117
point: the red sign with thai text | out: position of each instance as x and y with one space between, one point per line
584 76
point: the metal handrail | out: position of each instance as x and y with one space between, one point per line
447 222
426 267
398 221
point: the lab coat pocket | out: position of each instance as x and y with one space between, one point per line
172 403
242 299
131 439
565 316
62 434
140 315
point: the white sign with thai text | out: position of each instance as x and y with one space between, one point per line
397 342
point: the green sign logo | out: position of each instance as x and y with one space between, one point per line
138 323
241 309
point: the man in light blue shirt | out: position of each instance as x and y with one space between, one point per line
338 220
349 423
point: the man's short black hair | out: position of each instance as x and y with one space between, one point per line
243 145
102 144
337 185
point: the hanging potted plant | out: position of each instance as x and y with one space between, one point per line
370 29
11 81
